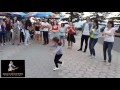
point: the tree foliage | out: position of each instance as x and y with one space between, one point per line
99 15
75 15
57 12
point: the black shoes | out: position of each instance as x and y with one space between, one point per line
44 44
79 50
84 51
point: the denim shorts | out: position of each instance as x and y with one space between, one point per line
62 37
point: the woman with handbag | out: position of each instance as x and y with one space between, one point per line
71 32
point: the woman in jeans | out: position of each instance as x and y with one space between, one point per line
2 32
62 33
94 34
70 38
28 26
108 41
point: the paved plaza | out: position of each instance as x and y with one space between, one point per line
39 61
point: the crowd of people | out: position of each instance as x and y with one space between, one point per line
92 31
17 31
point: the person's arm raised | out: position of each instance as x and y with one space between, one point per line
103 33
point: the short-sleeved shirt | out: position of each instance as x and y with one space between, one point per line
45 24
109 38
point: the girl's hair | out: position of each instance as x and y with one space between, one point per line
56 22
57 40
97 24
14 21
111 22
52 23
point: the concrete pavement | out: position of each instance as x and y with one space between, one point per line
39 62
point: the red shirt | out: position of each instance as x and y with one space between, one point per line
8 25
55 29
71 32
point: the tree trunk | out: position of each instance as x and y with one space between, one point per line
71 14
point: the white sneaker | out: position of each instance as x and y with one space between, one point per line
26 44
108 64
55 69
29 43
1 44
94 57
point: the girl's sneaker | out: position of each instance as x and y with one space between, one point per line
1 44
92 57
108 64
55 69
29 43
26 44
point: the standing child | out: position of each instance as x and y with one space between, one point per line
62 33
58 52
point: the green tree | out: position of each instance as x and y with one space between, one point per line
96 15
57 12
75 15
